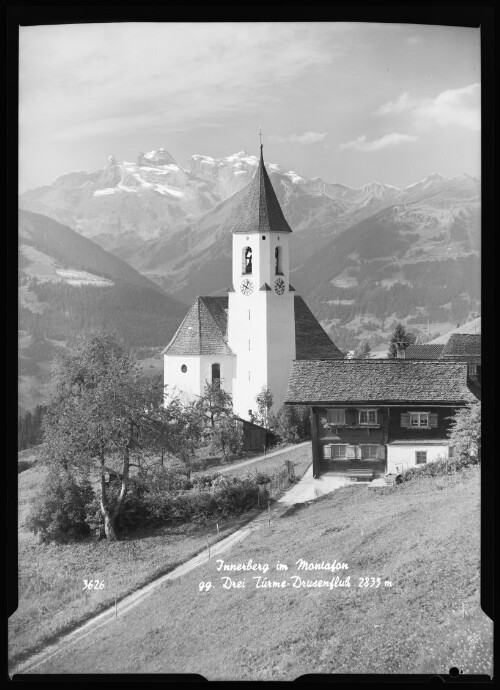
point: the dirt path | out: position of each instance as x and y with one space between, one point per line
234 466
299 493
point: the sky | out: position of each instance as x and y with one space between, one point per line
348 102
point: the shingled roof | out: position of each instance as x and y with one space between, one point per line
311 341
204 331
423 351
260 210
382 381
463 347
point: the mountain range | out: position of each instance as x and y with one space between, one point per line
67 284
361 257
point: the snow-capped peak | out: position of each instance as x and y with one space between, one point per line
159 157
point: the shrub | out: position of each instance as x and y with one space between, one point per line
221 497
60 511
205 480
439 467
262 478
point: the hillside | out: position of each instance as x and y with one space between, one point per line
471 327
68 284
422 536
398 265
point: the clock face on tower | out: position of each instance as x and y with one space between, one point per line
246 287
279 286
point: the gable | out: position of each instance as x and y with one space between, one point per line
203 330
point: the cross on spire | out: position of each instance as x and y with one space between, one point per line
260 136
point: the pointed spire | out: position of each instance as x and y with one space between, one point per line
260 209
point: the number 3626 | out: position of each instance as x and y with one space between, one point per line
93 584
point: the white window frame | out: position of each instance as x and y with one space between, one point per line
335 411
420 452
419 416
368 422
338 445
369 445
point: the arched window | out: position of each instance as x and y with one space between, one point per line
216 373
247 260
277 261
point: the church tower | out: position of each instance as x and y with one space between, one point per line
261 320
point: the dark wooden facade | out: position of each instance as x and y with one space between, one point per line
364 443
255 437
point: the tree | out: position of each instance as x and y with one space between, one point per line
103 418
215 403
465 430
292 423
227 439
399 335
363 350
264 401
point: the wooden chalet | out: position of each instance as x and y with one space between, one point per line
379 416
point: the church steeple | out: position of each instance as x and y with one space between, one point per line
260 209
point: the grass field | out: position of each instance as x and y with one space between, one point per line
51 577
422 536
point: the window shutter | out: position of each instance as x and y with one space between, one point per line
405 419
381 453
327 452
350 417
351 452
357 451
433 420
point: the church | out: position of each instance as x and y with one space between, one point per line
248 339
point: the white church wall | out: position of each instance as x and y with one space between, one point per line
226 371
261 325
186 383
260 259
247 337
281 352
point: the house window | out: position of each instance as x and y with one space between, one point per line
216 373
184 368
473 369
369 452
421 457
339 451
368 417
451 451
419 420
247 260
336 416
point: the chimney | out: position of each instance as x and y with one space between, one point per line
401 350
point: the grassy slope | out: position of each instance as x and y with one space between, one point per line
51 576
423 536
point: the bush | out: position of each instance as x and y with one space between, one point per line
439 467
262 478
60 511
205 480
212 497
